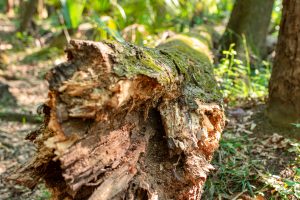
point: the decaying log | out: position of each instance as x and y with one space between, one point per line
128 122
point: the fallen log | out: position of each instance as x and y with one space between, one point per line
128 122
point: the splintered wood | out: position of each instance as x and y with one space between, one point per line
126 122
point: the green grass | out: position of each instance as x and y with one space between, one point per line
239 170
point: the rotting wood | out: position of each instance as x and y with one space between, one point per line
128 122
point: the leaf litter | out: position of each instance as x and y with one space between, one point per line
254 161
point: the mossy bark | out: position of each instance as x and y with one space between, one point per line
127 122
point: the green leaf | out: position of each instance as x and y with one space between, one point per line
290 182
296 125
114 33
72 11
120 8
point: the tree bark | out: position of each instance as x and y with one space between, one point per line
27 15
284 87
127 122
250 18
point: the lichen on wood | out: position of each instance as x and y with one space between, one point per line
128 122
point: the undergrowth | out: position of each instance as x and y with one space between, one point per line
239 80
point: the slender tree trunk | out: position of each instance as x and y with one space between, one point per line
10 8
250 18
30 9
126 122
284 89
41 9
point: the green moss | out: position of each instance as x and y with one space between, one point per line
179 56
195 64
150 62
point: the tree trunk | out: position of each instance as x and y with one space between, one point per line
250 18
127 122
10 8
41 9
284 89
27 14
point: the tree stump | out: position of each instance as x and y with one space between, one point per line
128 122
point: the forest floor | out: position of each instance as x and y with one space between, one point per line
254 160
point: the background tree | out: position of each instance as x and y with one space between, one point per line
284 89
250 18
31 8
9 7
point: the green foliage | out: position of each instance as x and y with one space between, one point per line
25 38
276 16
2 5
106 28
154 15
142 18
238 80
72 11
157 15
217 9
